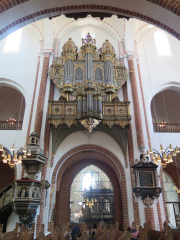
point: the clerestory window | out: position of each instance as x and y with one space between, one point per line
162 44
12 42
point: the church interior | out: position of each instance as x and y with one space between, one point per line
89 119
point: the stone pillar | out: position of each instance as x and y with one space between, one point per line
137 111
32 105
44 169
131 160
144 105
42 91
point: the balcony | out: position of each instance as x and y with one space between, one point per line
167 127
4 125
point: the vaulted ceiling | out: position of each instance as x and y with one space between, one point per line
15 14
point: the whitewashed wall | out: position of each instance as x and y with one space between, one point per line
158 73
19 71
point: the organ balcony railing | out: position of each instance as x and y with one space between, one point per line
4 125
166 127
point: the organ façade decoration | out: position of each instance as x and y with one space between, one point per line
89 80
146 184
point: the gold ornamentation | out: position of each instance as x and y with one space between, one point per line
148 201
69 123
98 66
122 123
90 123
109 123
78 65
56 123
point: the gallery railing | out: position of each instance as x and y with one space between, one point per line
7 126
166 127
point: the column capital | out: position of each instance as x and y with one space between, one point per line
47 53
130 55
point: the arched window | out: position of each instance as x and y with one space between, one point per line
98 75
12 105
12 42
91 191
165 111
171 200
162 44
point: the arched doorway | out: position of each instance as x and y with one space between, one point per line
91 197
63 196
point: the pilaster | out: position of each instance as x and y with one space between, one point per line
136 104
42 91
131 160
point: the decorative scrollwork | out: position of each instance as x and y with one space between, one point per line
56 123
109 123
122 123
69 123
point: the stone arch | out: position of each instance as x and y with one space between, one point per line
13 105
116 166
163 17
173 86
164 107
63 195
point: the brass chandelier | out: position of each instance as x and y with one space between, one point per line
14 158
162 156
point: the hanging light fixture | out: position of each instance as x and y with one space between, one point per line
162 156
162 124
11 121
13 158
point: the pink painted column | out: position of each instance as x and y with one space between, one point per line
32 105
136 104
42 91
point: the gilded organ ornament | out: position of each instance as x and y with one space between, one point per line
88 79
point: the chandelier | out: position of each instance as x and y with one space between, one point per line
11 121
162 156
89 203
14 158
162 124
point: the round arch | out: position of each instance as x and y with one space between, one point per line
146 10
65 163
63 195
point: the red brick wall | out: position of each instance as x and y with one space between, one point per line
32 105
63 195
6 174
149 217
144 105
168 4
159 216
44 169
42 91
131 159
137 111
112 158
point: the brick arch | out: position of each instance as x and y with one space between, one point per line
113 160
63 195
50 12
